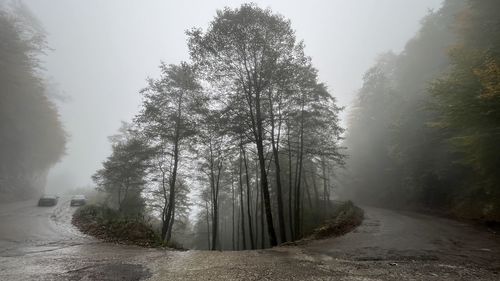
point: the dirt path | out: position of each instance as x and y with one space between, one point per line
40 244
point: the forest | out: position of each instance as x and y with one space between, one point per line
32 137
245 137
276 140
242 146
424 130
245 126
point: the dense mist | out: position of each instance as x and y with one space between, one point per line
32 139
242 125
102 52
423 129
261 140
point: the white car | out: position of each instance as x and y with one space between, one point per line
78 200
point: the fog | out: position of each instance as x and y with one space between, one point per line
103 51
339 138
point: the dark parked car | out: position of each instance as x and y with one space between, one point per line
48 200
78 200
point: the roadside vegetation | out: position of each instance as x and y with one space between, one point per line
32 138
345 217
109 225
241 147
244 134
424 130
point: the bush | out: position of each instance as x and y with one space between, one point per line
109 225
345 218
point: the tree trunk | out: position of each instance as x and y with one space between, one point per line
262 224
265 193
171 197
249 215
215 171
164 226
257 203
119 199
281 216
238 231
232 221
308 193
173 179
316 192
290 187
299 175
171 224
241 206
259 133
326 195
208 224
279 193
318 210
213 196
215 227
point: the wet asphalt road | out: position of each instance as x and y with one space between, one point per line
41 244
26 228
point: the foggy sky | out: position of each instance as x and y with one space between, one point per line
104 50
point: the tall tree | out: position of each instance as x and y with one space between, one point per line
249 209
123 176
468 103
243 50
32 138
242 210
212 149
168 119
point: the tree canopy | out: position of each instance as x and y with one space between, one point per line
32 138
424 129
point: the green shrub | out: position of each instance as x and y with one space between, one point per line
110 225
345 218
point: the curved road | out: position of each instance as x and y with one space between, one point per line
27 228
40 244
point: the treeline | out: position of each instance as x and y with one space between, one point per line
425 128
31 134
245 126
